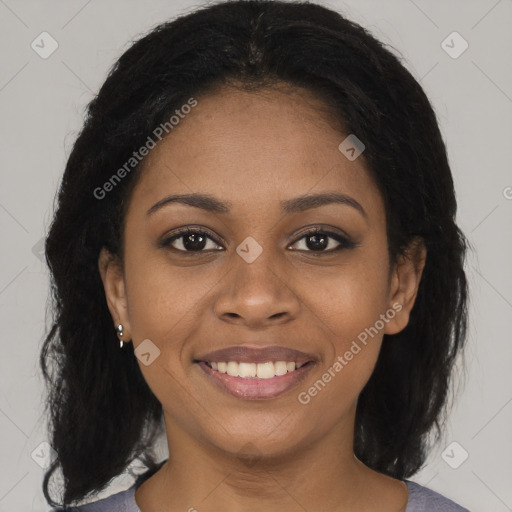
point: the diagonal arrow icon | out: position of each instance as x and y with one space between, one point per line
249 249
454 45
351 147
146 352
44 45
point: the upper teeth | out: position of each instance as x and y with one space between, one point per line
265 370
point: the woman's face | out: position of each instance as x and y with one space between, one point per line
254 278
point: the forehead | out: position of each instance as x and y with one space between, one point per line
258 146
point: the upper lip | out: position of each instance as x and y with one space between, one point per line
247 354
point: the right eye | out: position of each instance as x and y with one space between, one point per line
190 241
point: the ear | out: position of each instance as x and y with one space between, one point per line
405 281
111 273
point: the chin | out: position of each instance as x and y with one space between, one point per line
255 441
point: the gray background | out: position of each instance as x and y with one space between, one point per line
41 110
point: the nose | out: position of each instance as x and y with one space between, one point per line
257 294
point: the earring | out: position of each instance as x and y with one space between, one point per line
120 334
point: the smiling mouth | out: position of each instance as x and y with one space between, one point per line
255 381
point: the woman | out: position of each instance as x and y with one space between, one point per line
260 202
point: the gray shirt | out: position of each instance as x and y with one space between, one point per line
421 499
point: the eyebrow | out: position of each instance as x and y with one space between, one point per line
297 204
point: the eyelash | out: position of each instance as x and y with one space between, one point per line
344 243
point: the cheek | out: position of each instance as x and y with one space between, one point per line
165 305
349 301
164 300
348 298
351 307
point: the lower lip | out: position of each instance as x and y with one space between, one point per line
255 389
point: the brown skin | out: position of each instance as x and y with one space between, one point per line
254 150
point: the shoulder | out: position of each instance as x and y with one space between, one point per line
422 499
123 501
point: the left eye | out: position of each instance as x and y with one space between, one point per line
191 240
